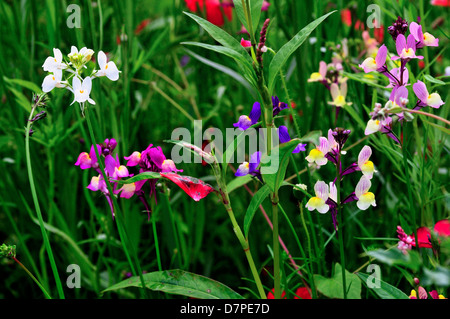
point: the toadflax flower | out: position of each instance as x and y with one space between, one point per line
317 155
318 202
285 137
82 90
55 63
277 105
321 75
364 164
108 69
365 198
89 160
370 64
245 121
338 94
406 48
434 99
53 80
424 39
250 167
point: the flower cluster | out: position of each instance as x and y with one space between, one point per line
152 159
424 236
73 67
407 49
325 195
244 122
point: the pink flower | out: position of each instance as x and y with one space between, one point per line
406 48
424 39
246 43
434 99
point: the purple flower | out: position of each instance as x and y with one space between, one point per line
406 48
245 121
377 64
278 106
434 99
284 138
86 160
424 39
250 167
400 26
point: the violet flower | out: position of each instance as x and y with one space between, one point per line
406 48
423 39
250 167
245 121
278 106
284 137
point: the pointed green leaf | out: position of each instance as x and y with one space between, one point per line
255 12
139 177
395 256
286 50
257 200
385 290
180 282
333 287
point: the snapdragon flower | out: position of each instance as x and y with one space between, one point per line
363 164
318 202
319 76
245 121
108 69
81 91
433 100
338 94
317 155
278 106
250 167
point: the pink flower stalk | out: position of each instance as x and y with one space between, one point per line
423 39
433 100
406 48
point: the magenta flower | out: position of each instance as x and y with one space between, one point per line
377 64
406 48
245 121
86 160
114 169
424 39
434 99
246 43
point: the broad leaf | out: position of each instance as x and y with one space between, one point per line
385 290
180 282
395 256
257 200
286 50
333 287
238 182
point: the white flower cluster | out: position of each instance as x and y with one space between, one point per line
80 87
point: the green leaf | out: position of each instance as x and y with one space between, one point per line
255 12
277 161
286 50
431 79
385 290
257 200
25 84
395 256
139 177
238 182
180 282
333 287
220 36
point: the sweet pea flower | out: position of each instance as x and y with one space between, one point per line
434 99
406 48
318 202
370 64
338 94
317 155
424 39
365 198
108 69
245 121
321 74
82 90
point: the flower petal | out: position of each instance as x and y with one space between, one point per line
420 90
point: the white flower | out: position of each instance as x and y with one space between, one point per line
365 198
317 155
82 90
107 69
366 166
51 81
318 201
54 63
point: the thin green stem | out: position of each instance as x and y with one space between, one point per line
155 238
340 225
37 207
276 247
32 277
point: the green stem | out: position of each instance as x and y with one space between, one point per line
117 213
32 277
155 237
340 225
37 207
242 240
276 247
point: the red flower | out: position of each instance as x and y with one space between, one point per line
214 10
271 294
442 3
195 188
346 17
303 293
379 33
421 64
442 228
141 26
